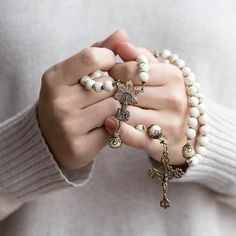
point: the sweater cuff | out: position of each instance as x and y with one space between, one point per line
217 170
27 167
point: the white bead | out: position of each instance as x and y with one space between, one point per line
200 97
193 161
203 140
197 85
173 58
142 59
143 67
201 150
165 54
96 74
191 133
98 86
143 76
188 151
189 80
202 108
194 112
192 123
193 101
84 79
186 71
192 90
89 84
108 86
180 63
154 131
204 130
140 127
203 119
166 61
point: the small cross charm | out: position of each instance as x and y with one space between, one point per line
165 173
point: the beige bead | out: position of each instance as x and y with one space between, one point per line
204 130
203 119
142 59
192 90
144 76
194 112
141 127
188 151
194 160
89 84
84 79
108 86
201 150
186 71
191 133
165 54
143 67
192 122
173 58
98 86
193 101
180 63
154 131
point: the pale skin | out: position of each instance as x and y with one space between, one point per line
76 123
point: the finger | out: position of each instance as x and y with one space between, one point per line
113 40
160 98
84 97
68 72
88 145
93 116
128 52
132 137
158 73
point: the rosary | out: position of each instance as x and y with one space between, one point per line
126 94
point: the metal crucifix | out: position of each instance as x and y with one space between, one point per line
165 173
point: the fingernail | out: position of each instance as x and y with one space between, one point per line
111 124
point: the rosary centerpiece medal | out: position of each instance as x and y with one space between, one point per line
126 94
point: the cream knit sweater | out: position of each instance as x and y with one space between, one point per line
113 196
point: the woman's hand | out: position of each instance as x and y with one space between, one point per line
70 117
164 102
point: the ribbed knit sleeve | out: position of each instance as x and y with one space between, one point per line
27 168
217 170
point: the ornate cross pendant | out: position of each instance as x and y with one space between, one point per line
165 173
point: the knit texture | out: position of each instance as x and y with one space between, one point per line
27 167
217 170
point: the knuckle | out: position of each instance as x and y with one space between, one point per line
49 75
177 102
176 74
130 70
89 57
69 128
80 150
174 128
60 107
113 104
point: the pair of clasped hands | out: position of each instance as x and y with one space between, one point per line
76 123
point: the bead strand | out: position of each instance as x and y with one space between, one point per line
197 116
90 84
